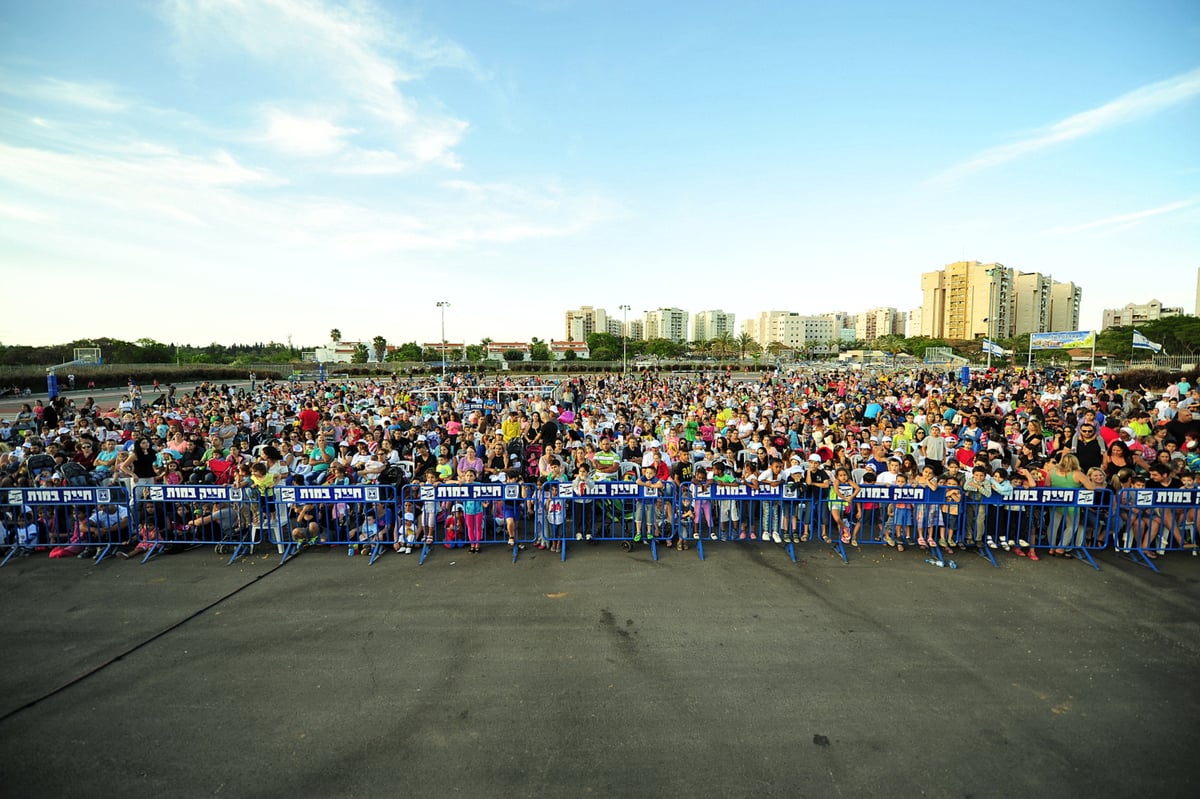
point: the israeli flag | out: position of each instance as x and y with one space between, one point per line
991 347
1140 342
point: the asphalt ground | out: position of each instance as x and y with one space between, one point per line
606 675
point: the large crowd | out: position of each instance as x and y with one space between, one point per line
819 433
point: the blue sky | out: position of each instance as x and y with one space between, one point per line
249 170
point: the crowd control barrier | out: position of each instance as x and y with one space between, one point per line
1075 520
1151 522
67 519
492 513
360 517
902 516
224 517
609 510
733 512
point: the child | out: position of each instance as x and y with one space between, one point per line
645 515
841 495
932 524
368 533
703 507
473 514
407 534
951 510
455 528
728 512
978 487
687 521
28 534
1003 489
77 539
1016 522
864 511
427 514
556 517
902 517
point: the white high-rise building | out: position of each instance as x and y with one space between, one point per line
707 325
583 322
668 323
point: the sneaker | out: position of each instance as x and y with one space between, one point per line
579 536
87 553
887 539
408 550
637 538
712 536
588 536
1021 542
99 551
742 537
992 544
1005 545
775 537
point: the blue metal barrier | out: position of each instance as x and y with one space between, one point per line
1150 522
509 513
616 511
83 517
742 513
334 515
224 517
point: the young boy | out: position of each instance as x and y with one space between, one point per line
645 515
978 487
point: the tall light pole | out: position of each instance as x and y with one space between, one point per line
991 317
624 337
443 306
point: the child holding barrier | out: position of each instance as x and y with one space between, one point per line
841 494
645 515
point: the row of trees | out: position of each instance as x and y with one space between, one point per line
1179 335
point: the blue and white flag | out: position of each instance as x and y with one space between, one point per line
1140 342
992 348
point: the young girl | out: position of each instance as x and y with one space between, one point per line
455 527
841 494
473 514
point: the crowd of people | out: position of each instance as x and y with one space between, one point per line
820 435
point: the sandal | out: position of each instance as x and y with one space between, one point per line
845 536
899 546
803 537
1033 555
512 542
825 538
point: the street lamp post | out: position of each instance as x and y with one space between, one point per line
991 273
443 306
624 337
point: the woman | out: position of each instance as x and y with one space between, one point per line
1119 457
139 463
1065 473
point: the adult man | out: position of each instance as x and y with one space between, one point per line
1088 447
606 462
106 526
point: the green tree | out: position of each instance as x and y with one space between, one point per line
745 343
512 356
379 347
360 353
335 335
475 352
724 345
406 352
538 350
569 355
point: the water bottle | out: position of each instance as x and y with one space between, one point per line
952 564
938 563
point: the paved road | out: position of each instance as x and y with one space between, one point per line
607 675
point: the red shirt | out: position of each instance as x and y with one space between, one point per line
309 419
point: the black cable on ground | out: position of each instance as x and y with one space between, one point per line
95 669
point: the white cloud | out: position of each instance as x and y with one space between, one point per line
302 135
93 96
1126 221
1141 102
351 54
